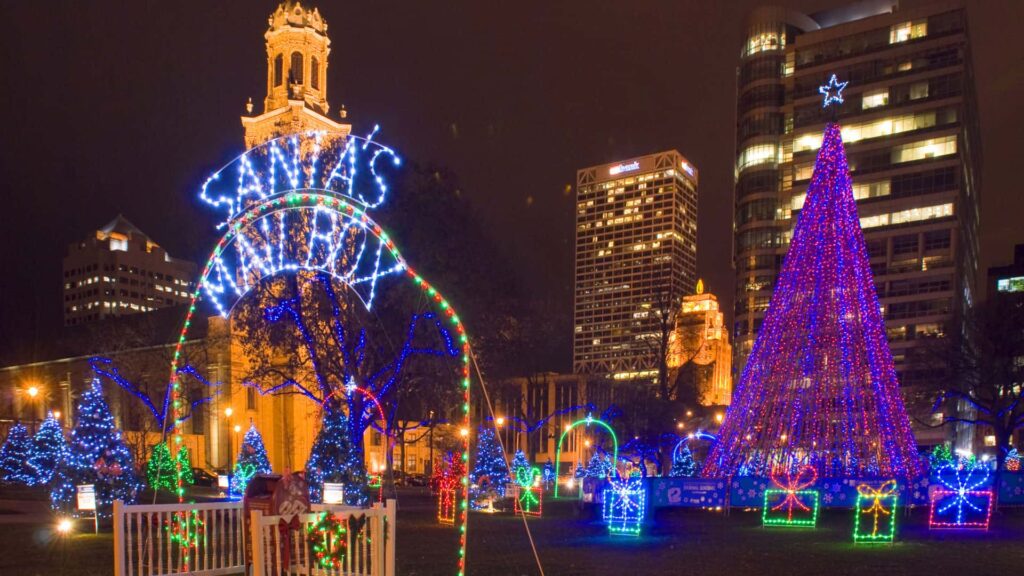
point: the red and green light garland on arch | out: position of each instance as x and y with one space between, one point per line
300 200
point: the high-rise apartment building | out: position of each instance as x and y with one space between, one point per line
910 128
119 270
636 256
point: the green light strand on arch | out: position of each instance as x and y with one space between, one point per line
325 200
588 421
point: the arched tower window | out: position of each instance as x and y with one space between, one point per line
278 69
314 73
295 70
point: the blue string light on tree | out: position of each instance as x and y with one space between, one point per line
965 498
14 454
625 503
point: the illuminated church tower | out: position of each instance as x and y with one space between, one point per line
297 51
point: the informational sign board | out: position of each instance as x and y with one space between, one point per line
687 492
86 496
223 481
334 493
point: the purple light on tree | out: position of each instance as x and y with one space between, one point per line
820 387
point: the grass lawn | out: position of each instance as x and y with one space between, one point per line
679 542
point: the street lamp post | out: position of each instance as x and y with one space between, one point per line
33 392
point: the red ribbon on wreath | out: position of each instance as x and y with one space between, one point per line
804 477
286 528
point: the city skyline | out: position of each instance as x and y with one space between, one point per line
108 169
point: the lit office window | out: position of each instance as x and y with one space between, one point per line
929 148
1014 284
874 129
908 31
860 192
875 98
905 216
764 42
918 90
758 154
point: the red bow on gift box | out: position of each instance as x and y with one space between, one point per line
793 482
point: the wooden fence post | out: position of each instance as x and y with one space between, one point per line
255 536
389 536
118 538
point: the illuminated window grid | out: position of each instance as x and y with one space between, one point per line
874 516
614 281
623 510
939 495
801 496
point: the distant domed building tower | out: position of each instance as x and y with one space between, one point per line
297 51
699 353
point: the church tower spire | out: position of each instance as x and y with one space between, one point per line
296 101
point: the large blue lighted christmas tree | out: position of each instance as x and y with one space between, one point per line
490 472
14 456
335 458
97 455
819 386
49 449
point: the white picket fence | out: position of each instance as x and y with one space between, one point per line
143 547
369 544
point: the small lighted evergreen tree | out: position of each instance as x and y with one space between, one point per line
336 458
683 465
49 449
14 456
489 468
599 466
98 455
580 471
162 469
252 459
519 461
940 455
184 461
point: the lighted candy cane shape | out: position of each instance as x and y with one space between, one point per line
258 211
586 421
793 487
527 498
965 486
877 496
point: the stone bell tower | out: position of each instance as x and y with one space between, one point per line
297 51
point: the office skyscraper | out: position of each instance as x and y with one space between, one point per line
636 256
911 134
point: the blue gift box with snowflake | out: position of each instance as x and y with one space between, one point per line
963 497
624 506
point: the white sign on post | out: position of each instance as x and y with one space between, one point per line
223 481
86 496
334 493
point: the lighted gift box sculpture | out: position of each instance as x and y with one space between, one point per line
529 497
874 516
793 502
964 499
625 501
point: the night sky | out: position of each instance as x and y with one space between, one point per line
127 106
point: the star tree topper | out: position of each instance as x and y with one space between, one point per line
833 91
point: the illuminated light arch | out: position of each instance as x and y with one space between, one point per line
258 204
586 421
698 435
